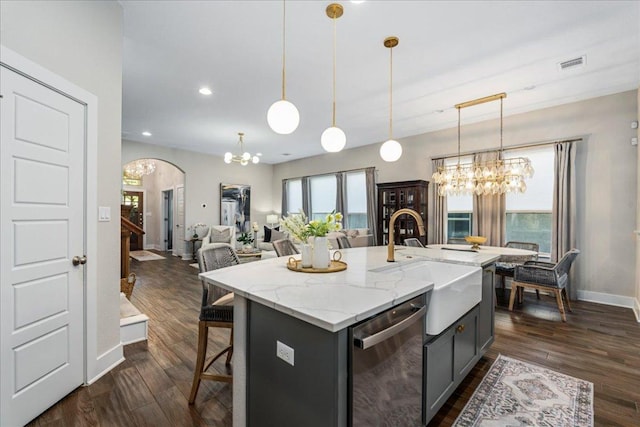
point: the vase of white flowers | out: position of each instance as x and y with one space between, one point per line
318 228
301 230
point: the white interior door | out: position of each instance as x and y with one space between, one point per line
179 216
42 228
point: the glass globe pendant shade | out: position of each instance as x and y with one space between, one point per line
255 159
227 157
283 117
391 150
333 139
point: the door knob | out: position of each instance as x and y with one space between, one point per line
77 260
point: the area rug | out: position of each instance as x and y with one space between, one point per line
194 265
516 393
145 256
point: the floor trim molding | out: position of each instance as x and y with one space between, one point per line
636 309
106 362
608 299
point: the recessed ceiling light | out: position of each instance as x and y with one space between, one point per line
357 1
258 154
205 91
532 87
286 154
146 133
439 111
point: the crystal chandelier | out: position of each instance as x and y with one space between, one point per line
243 158
491 177
138 168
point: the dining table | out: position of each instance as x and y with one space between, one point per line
506 254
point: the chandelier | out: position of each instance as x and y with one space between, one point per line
243 158
138 168
491 177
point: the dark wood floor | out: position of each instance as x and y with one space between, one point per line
599 343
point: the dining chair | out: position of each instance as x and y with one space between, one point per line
285 247
545 276
414 242
343 242
216 311
507 264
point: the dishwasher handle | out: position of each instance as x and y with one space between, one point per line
378 337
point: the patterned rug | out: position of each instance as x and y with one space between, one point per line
515 393
144 256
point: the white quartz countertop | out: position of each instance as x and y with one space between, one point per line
334 301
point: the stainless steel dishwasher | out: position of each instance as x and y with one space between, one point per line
385 381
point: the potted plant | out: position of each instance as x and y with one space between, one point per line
246 241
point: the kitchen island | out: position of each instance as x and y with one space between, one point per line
311 314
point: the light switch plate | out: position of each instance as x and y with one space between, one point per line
285 353
104 213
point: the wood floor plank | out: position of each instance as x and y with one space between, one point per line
598 343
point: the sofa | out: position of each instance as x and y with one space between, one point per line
269 235
357 237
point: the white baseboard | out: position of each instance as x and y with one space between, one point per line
106 362
636 309
608 299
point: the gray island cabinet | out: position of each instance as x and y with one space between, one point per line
295 361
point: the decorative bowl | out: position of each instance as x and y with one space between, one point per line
475 241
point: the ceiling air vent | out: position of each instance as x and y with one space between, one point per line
573 63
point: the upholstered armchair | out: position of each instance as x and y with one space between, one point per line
220 234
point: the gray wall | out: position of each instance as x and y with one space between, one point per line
203 175
637 301
82 42
607 169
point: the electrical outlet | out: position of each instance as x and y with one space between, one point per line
284 352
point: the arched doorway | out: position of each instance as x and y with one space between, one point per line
153 199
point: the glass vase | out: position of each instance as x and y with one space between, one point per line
320 252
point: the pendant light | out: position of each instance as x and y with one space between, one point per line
491 177
333 139
283 116
391 150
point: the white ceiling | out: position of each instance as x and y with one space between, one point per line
449 52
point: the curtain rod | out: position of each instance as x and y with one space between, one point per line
510 148
331 173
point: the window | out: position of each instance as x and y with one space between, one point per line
529 214
321 197
294 196
459 208
323 194
356 202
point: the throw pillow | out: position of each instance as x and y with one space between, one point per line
277 235
267 233
352 233
220 236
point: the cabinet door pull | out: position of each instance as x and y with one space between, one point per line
460 329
